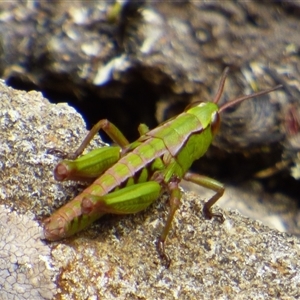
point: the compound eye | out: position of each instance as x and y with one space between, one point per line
215 123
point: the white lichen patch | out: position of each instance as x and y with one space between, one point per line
25 266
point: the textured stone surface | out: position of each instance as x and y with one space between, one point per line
116 257
166 54
239 258
29 126
26 271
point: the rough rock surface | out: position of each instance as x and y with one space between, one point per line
116 258
26 271
107 57
27 190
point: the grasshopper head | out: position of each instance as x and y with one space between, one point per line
211 113
239 99
215 118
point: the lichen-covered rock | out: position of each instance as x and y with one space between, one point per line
29 126
26 271
116 258
239 258
166 54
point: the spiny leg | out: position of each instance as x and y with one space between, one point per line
112 131
109 128
92 164
175 196
211 184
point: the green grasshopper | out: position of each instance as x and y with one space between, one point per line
132 176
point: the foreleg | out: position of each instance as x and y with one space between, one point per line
211 184
175 196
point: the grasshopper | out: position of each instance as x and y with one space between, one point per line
132 176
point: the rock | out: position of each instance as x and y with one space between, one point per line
26 270
116 258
